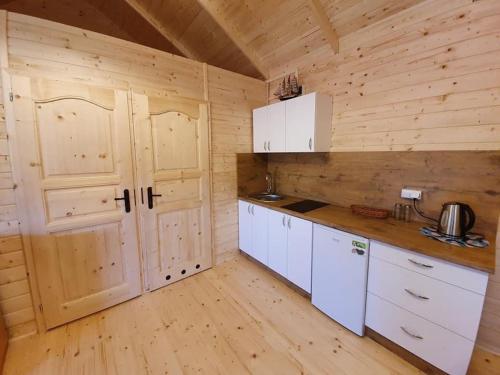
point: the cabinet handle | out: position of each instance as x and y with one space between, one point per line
411 293
253 210
265 149
126 198
283 221
268 145
248 209
418 337
420 264
289 223
310 143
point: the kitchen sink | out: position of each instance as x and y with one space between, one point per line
267 197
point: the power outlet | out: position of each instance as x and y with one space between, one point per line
411 193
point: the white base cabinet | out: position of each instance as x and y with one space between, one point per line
430 307
299 251
253 230
282 242
438 346
277 243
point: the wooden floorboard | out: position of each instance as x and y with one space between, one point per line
233 319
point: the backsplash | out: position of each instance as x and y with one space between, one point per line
376 179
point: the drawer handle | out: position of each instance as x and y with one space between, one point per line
420 264
418 337
411 293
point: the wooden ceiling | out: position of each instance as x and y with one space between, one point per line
250 37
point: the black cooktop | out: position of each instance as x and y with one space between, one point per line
304 206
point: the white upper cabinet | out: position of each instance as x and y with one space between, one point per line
260 129
276 127
301 124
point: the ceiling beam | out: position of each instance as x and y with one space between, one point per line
234 34
325 24
160 27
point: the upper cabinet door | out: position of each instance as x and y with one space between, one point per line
260 129
76 162
276 127
300 123
173 176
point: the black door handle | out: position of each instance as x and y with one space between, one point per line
150 197
126 198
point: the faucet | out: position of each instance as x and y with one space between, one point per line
270 183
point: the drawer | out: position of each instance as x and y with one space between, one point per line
463 277
436 345
452 307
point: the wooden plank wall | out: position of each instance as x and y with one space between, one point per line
427 78
231 104
42 48
15 295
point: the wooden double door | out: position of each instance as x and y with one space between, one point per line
116 186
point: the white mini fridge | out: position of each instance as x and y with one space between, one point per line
339 276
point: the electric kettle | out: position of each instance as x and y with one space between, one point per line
456 219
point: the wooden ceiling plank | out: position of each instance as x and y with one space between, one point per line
234 34
158 25
325 24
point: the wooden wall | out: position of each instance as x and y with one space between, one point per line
231 104
46 49
15 295
427 78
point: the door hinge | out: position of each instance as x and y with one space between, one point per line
11 96
40 307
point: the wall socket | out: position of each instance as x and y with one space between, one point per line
411 193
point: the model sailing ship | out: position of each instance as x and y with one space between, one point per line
288 88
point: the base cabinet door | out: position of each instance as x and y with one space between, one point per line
259 233
77 172
277 242
245 227
299 261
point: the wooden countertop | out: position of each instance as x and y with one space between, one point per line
393 232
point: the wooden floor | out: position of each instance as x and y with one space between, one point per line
233 319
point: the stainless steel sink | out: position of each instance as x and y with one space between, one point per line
268 197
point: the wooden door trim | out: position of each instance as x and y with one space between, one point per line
14 155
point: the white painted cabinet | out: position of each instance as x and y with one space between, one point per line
277 243
245 226
308 123
260 129
269 128
301 124
253 229
299 252
280 241
428 306
259 233
276 127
